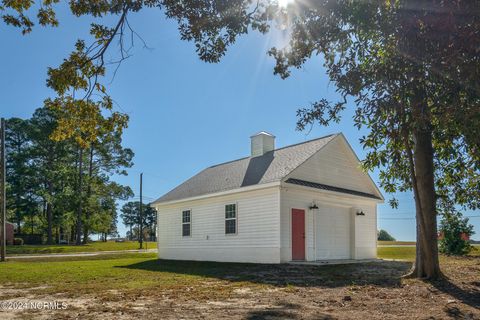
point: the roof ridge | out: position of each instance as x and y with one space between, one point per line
311 140
243 173
289 146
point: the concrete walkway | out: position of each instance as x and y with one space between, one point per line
76 254
333 262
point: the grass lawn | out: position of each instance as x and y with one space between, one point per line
397 253
91 247
395 243
408 253
116 271
134 285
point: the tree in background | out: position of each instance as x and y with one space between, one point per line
384 236
455 233
105 157
131 218
21 185
103 209
53 165
43 179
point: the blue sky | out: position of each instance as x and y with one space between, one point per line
185 114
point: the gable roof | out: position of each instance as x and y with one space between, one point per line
271 167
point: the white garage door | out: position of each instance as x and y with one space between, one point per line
333 233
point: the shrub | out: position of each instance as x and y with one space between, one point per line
17 241
455 233
385 236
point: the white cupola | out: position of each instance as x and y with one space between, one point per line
262 143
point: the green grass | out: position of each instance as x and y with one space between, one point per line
81 273
91 247
408 253
397 253
396 243
133 272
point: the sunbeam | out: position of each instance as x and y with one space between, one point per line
285 3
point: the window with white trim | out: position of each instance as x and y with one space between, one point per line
230 219
186 223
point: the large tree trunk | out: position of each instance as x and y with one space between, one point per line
426 264
423 183
78 240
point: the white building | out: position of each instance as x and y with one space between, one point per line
309 201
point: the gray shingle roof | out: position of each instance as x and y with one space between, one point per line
331 188
272 166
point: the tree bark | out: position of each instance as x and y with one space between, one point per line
427 264
420 160
80 200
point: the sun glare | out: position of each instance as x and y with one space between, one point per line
285 3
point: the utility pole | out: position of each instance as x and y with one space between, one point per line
3 196
141 213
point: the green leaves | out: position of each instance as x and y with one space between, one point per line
214 25
83 121
392 59
46 17
322 111
455 233
14 13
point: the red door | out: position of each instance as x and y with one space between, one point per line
298 234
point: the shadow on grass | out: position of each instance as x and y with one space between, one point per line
382 273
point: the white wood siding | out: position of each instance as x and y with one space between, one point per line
332 233
335 165
361 240
258 229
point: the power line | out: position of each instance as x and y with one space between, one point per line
414 218
145 197
147 173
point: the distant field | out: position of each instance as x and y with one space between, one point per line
408 253
397 253
91 247
396 243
